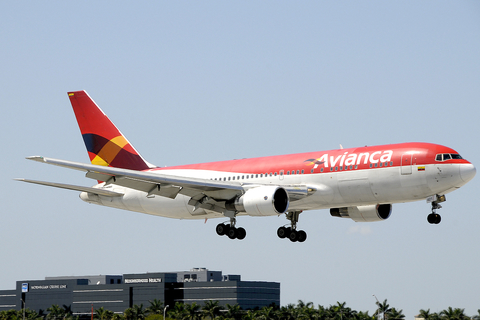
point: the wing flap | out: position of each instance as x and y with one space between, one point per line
147 181
98 191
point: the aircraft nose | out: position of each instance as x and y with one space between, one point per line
467 172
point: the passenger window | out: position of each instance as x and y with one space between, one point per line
302 171
288 173
298 171
275 174
311 171
356 166
321 170
243 177
381 164
391 163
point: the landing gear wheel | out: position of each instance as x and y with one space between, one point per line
282 232
434 218
241 233
232 233
302 236
222 229
293 236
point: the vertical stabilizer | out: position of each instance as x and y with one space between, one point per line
105 144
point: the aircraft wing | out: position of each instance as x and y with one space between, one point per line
153 183
98 191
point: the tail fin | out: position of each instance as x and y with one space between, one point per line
105 144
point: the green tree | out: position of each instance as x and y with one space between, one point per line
267 313
453 314
55 312
233 312
383 309
211 309
178 311
395 314
425 314
103 314
192 311
341 312
250 315
156 307
477 316
135 313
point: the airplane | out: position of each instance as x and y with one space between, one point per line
357 183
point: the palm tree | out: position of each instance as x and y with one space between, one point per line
192 311
156 307
233 312
383 308
287 312
395 314
364 316
304 310
55 312
453 314
267 313
340 311
211 309
103 314
477 316
250 315
178 311
425 314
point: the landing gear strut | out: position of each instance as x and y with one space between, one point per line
434 217
291 232
230 230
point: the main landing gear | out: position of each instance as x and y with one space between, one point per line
230 230
291 232
434 217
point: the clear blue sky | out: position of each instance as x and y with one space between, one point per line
190 82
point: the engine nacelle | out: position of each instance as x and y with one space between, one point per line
370 213
261 201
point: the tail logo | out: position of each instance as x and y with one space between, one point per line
116 152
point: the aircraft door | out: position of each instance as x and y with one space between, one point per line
406 166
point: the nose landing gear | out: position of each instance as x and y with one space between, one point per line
434 217
291 232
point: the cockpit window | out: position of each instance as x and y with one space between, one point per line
447 156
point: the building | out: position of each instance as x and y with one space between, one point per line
119 292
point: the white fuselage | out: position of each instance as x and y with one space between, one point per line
347 188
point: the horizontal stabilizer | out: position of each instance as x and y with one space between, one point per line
100 192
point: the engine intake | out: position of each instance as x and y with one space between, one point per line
370 213
261 201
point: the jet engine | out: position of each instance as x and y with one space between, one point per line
261 201
378 212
